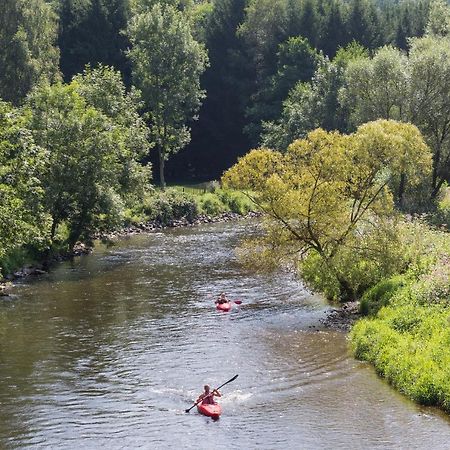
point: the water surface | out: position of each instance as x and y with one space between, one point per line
109 350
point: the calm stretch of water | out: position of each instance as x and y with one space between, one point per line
108 351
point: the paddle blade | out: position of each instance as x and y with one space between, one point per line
238 302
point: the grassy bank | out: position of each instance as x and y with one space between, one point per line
406 334
160 207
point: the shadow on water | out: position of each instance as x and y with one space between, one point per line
110 349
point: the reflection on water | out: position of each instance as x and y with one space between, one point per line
108 351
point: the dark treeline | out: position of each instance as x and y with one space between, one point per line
255 62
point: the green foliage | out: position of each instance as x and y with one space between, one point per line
167 64
318 204
28 53
21 216
235 201
211 204
103 89
412 88
439 19
408 336
166 206
91 32
380 294
81 172
409 346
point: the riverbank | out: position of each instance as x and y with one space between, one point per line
342 318
81 248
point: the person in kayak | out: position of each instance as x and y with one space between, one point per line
222 299
207 397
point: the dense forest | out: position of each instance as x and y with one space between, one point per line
258 52
345 103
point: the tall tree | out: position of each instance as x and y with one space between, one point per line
28 53
309 22
82 169
217 137
103 89
438 19
313 104
430 101
167 65
333 33
91 32
297 61
363 23
414 89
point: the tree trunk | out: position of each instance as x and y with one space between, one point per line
53 230
401 190
347 294
162 180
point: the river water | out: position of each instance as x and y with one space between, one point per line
108 351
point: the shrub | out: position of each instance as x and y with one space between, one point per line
434 287
409 344
212 205
167 206
236 201
381 294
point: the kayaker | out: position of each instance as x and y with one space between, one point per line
207 397
222 299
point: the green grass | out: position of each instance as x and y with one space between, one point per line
408 341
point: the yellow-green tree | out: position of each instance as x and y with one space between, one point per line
328 190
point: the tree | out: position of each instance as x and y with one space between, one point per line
28 31
296 62
319 194
167 65
217 137
413 89
333 33
378 87
21 216
429 64
309 105
438 19
309 22
82 168
363 24
313 104
91 32
103 89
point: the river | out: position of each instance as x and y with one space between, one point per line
107 351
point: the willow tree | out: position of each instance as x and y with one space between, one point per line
167 65
326 189
413 88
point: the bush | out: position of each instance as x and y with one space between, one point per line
381 294
167 206
236 201
212 205
408 343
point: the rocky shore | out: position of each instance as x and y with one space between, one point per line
148 227
342 318
83 249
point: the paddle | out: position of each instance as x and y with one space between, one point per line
237 302
221 386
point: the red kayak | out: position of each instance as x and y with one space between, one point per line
224 306
213 411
